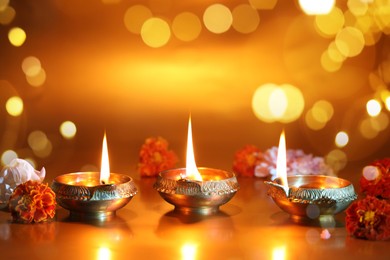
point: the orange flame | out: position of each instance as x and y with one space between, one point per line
281 162
191 168
105 166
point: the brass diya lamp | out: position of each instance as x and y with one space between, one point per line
94 195
307 197
194 190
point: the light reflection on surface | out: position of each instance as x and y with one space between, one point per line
104 253
279 253
189 251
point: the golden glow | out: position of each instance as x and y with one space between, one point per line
281 162
387 102
38 79
263 4
8 156
373 107
217 18
7 15
312 122
341 139
328 63
39 143
368 128
14 106
316 7
283 103
68 129
323 111
245 18
189 251
186 26
278 103
191 168
357 7
155 32
104 253
3 5
336 159
331 23
16 36
105 165
135 17
279 253
334 53
350 41
31 66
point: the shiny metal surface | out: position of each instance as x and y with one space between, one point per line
312 196
83 195
250 226
199 197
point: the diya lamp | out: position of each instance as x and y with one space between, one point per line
307 197
196 190
94 195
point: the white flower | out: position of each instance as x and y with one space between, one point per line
14 174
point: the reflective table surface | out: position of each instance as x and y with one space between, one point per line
250 226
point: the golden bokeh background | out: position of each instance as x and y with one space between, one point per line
244 69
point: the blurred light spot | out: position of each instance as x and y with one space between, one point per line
188 251
282 103
350 41
14 106
316 7
31 66
357 7
387 101
186 26
312 211
263 4
278 102
279 253
322 111
328 63
341 139
38 79
327 221
104 253
367 129
373 107
331 23
135 17
312 122
325 234
155 32
7 15
217 18
349 19
312 236
245 18
8 156
39 143
16 36
68 129
3 4
336 159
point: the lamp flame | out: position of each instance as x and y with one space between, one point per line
191 168
281 162
105 166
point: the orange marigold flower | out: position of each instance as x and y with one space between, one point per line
246 159
32 202
155 157
369 218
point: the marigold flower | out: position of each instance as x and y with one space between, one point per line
375 180
155 157
32 202
246 159
369 218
